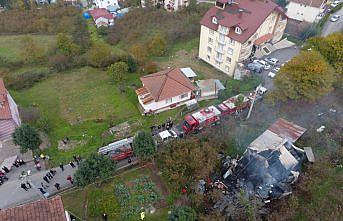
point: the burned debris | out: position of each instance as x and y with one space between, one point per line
268 167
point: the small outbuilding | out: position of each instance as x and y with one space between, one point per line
188 72
209 88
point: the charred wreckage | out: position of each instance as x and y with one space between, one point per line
266 171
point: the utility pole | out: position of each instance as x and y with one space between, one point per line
253 101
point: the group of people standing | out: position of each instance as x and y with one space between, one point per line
49 176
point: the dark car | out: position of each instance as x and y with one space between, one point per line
255 67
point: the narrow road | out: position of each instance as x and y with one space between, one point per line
331 27
11 194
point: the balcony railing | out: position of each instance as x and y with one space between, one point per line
218 59
219 50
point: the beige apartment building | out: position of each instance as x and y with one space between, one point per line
232 30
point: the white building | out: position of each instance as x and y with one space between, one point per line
105 3
232 31
165 90
305 10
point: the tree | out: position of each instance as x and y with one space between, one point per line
138 52
66 46
331 48
157 45
182 213
132 64
150 67
184 161
30 51
239 101
118 70
306 77
27 138
96 166
99 54
80 33
143 145
59 62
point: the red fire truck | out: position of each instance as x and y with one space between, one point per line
199 119
229 106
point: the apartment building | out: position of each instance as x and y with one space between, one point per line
232 31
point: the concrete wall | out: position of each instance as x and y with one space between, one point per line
302 12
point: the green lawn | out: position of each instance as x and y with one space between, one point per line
79 105
89 203
10 45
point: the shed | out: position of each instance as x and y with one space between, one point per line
209 88
188 72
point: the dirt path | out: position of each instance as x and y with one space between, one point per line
160 185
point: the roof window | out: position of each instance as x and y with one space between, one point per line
238 30
214 20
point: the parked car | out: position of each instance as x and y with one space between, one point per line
257 67
276 69
262 90
266 66
272 61
271 74
335 18
334 4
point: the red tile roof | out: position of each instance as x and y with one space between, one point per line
100 12
41 210
313 3
5 111
246 14
167 84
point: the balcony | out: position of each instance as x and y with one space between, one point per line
219 59
222 31
219 50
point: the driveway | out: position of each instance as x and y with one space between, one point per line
331 27
282 55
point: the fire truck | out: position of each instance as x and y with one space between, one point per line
196 121
118 150
229 107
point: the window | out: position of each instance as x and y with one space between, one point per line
218 63
214 20
210 40
208 57
223 29
230 51
220 48
232 42
211 32
227 68
168 101
238 30
184 96
228 59
219 56
209 49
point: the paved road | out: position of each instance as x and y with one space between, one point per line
331 27
12 194
282 55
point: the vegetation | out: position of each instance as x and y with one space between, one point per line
27 138
330 48
118 71
143 145
94 167
182 213
306 77
157 46
99 55
187 160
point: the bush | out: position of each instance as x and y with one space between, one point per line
150 67
157 45
27 138
60 62
99 55
25 80
132 64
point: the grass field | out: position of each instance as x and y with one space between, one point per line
10 45
89 203
79 105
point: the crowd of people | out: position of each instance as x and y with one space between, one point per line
48 178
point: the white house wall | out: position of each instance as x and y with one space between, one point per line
105 3
162 104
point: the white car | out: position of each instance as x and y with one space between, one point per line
262 90
276 69
272 61
335 18
334 4
264 63
271 74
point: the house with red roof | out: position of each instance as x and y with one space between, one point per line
9 114
231 31
101 17
165 90
42 210
305 10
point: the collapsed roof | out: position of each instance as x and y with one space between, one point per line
270 163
